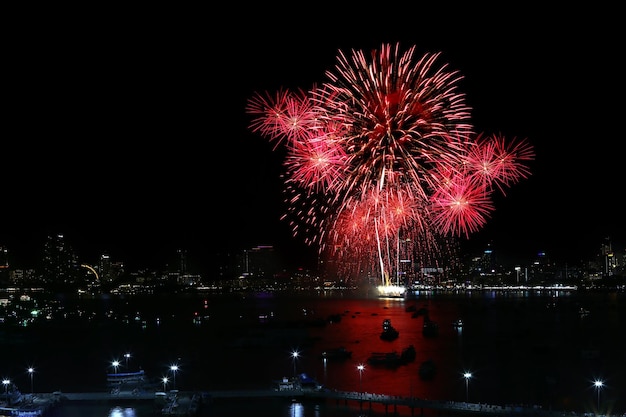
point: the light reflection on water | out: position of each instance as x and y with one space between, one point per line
86 409
122 412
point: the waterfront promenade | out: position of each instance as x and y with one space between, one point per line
412 405
189 403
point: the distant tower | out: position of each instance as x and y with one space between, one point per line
608 257
4 265
182 262
106 268
60 264
4 258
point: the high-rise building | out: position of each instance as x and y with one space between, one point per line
60 264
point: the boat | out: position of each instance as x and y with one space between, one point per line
391 291
388 359
408 354
430 328
389 332
427 369
339 353
422 311
126 378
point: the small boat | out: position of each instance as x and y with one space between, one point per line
334 318
422 311
427 369
408 354
430 328
388 359
389 332
339 353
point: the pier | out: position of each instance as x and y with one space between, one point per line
412 406
188 403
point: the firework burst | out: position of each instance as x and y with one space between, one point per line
382 159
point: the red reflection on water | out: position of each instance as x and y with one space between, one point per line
359 331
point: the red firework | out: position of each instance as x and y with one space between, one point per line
384 152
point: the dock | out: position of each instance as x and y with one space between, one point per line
175 403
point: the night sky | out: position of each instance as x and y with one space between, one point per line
126 130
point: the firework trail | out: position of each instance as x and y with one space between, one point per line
383 161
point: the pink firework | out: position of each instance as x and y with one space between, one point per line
494 161
284 118
316 162
382 160
460 208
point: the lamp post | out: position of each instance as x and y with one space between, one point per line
361 367
174 369
116 365
164 380
517 269
127 357
294 355
598 384
467 376
31 371
6 383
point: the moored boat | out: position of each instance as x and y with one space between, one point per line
408 353
430 328
389 359
427 369
422 311
389 332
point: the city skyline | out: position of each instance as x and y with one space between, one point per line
263 261
141 149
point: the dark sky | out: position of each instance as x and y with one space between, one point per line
126 130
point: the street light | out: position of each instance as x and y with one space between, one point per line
164 380
294 355
127 356
6 383
361 367
31 371
174 368
517 269
598 384
467 376
115 364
